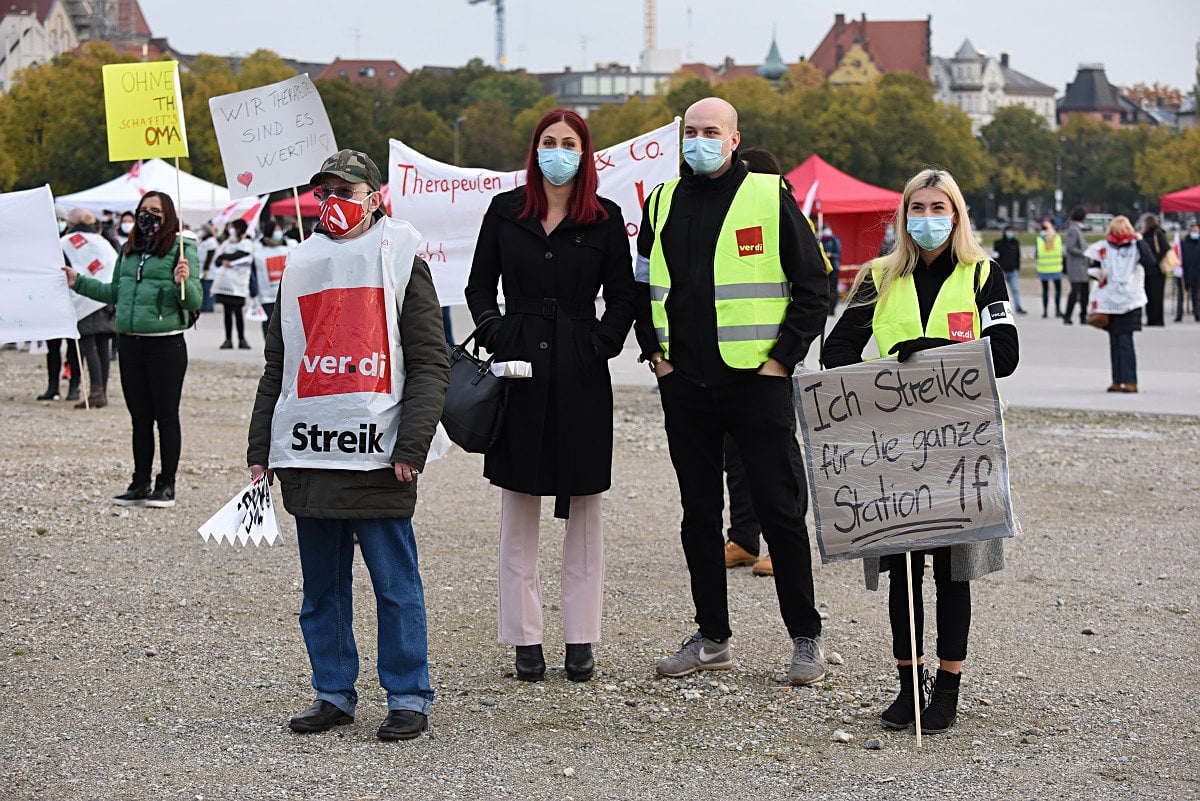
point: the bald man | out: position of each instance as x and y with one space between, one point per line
733 293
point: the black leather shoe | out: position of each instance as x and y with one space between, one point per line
530 664
321 716
402 724
136 495
580 665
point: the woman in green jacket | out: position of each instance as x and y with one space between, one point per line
152 313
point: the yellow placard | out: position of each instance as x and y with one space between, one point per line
144 111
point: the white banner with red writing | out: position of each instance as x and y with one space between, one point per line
89 254
447 203
343 368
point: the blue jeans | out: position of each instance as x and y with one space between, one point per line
1010 278
326 615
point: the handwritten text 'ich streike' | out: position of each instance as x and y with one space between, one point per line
160 128
273 101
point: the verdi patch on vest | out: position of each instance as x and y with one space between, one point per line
962 326
346 335
750 241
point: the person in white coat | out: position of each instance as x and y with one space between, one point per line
231 281
270 257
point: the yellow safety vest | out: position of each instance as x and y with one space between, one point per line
1049 259
750 290
955 313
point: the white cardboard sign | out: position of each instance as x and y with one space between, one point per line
272 137
447 203
34 300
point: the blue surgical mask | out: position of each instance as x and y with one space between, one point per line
1194 235
558 164
1009 234
62 226
704 155
930 233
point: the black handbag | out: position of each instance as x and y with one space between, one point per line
474 403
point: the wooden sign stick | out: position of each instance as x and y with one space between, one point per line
79 358
912 645
179 194
299 217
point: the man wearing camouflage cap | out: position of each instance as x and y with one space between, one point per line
348 468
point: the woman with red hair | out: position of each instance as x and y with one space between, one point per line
553 245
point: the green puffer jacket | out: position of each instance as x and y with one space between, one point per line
152 305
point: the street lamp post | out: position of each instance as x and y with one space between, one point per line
457 121
1058 192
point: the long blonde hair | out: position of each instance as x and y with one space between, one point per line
906 255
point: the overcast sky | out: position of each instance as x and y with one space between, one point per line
1153 40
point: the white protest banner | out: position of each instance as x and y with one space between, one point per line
447 203
34 300
247 209
905 457
89 254
272 137
248 517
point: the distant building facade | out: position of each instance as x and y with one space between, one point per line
1091 95
981 85
381 73
858 51
32 32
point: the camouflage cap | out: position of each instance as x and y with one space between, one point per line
350 165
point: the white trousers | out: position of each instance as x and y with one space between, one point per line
582 570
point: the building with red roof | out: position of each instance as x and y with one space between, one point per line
862 48
383 73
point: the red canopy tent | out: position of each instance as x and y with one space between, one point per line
1183 200
855 211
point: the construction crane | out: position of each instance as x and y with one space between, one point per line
501 54
650 24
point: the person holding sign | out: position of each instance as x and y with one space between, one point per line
554 244
351 394
734 292
936 288
151 319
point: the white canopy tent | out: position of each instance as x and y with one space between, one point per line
201 199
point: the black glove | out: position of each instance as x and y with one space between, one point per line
904 350
488 331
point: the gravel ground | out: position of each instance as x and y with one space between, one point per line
137 662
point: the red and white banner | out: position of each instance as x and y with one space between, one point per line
248 209
89 254
447 203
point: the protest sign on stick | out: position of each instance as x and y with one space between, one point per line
143 109
34 300
905 457
272 137
447 203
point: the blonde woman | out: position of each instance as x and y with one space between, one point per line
917 297
1120 292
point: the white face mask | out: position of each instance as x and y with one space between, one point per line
126 228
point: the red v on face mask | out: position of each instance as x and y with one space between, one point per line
339 217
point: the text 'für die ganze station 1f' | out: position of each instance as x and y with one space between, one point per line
905 457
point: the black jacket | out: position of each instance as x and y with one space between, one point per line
1008 254
689 239
556 436
849 337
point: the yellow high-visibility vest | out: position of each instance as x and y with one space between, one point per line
750 290
955 314
1049 258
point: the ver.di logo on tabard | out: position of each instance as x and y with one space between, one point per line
346 342
750 241
962 326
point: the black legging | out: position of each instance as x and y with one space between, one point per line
1079 291
95 353
1046 282
152 372
953 606
233 312
54 363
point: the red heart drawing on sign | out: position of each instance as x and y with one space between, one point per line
244 178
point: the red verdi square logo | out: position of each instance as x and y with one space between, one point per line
750 241
962 326
347 342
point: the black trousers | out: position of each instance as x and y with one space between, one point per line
756 412
95 353
1079 292
1046 295
152 371
1155 284
232 304
953 606
54 362
743 523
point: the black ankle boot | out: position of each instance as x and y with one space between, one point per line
530 664
901 714
579 663
943 704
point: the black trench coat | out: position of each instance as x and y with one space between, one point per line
557 433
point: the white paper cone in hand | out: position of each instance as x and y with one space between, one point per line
249 516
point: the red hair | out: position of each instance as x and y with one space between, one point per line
584 205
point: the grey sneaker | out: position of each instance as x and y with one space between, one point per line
697 653
808 661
